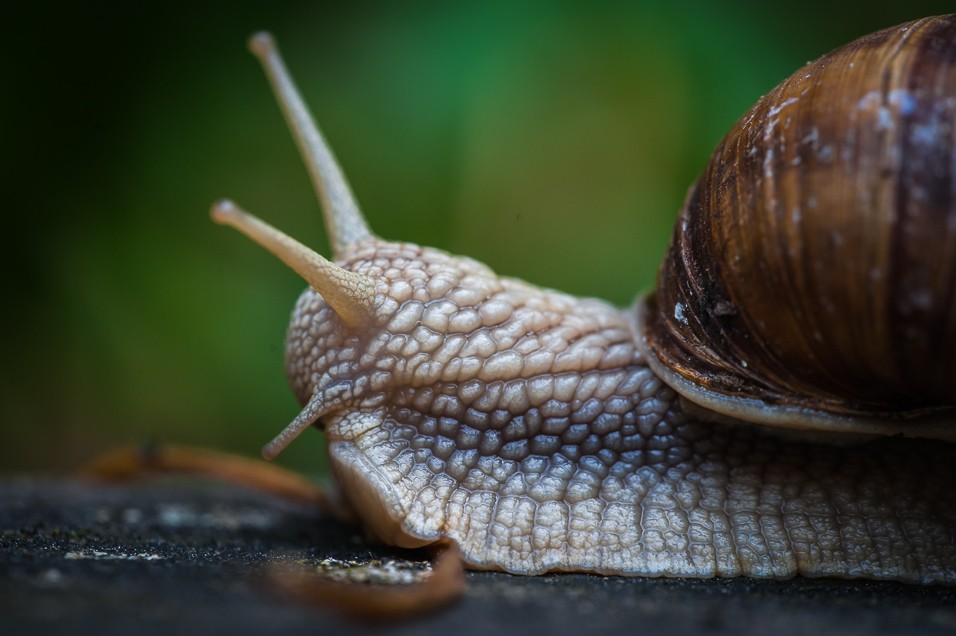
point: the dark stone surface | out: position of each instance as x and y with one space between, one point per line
186 558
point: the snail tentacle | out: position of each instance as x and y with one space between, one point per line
350 294
322 403
343 218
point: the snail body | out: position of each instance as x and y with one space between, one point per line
543 432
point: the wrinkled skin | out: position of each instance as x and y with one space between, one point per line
524 425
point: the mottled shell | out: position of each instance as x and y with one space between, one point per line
811 277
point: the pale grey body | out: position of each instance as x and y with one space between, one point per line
525 425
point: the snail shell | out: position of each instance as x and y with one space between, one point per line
811 278
538 431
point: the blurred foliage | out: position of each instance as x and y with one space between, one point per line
552 140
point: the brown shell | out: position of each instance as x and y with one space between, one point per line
813 267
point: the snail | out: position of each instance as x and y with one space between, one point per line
782 404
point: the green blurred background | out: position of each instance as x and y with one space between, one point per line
552 140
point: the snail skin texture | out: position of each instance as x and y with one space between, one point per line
541 432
